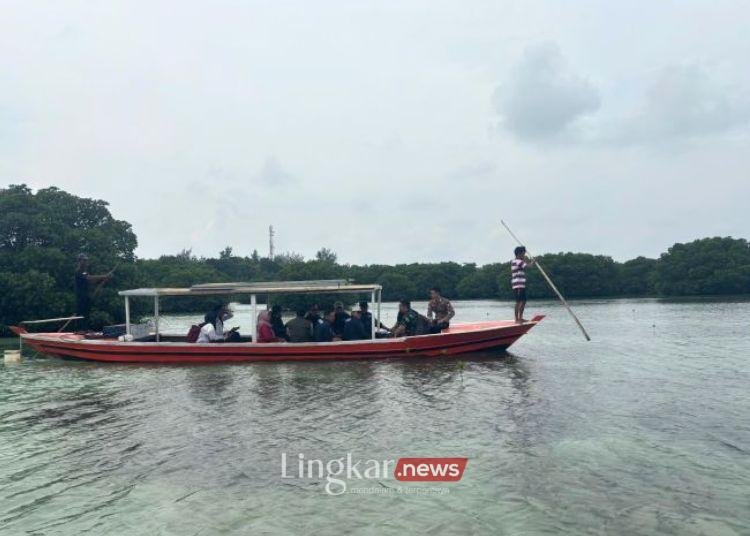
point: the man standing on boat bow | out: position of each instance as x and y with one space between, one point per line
518 280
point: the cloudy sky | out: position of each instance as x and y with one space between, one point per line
388 131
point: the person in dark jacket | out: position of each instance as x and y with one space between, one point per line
341 317
324 329
313 315
279 329
366 317
353 328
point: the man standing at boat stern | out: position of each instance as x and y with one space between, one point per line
439 311
518 281
82 281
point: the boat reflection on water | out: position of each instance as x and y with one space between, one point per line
211 384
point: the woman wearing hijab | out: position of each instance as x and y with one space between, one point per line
265 329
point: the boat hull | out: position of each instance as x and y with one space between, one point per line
457 340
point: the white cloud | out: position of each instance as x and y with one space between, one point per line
543 97
273 173
480 170
375 116
685 102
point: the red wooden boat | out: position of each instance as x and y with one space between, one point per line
155 347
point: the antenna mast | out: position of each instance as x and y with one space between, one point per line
271 234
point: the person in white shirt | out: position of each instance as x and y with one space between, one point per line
219 328
213 329
209 333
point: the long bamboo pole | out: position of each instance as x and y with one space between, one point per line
103 282
549 281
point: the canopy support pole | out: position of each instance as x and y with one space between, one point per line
380 299
127 315
156 316
372 317
254 317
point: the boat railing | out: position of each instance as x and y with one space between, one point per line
326 283
253 289
66 319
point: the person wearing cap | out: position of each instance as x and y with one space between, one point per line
341 317
83 280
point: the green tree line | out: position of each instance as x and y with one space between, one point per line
42 232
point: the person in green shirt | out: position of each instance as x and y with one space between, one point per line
299 328
407 322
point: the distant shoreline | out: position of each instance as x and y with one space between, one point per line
34 256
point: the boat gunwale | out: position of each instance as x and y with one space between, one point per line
59 338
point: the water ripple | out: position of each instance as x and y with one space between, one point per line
642 431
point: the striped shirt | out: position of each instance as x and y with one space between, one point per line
518 273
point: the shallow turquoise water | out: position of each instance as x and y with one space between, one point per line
645 430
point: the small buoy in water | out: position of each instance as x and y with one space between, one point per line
12 356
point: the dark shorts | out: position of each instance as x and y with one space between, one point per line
520 294
83 308
437 327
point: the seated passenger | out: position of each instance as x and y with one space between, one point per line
408 321
209 331
299 328
264 332
324 328
341 318
313 315
439 308
354 330
223 314
366 317
212 329
279 329
215 316
424 325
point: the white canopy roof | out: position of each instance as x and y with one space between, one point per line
327 286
